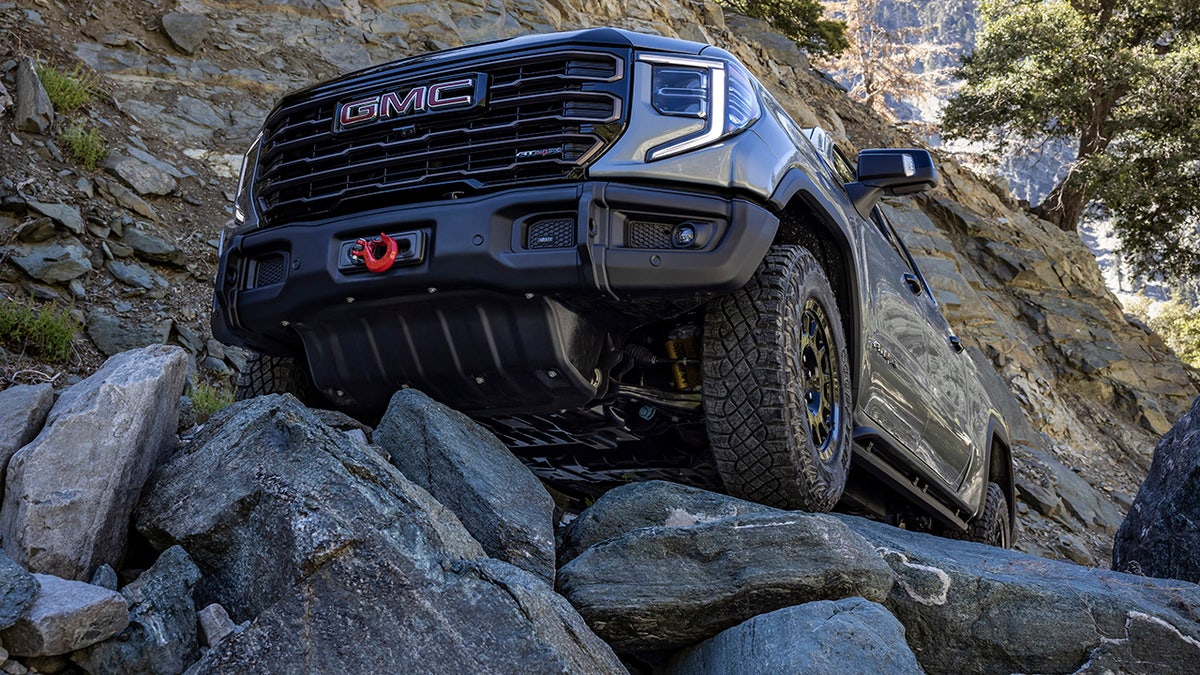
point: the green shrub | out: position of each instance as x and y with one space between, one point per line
47 331
68 91
208 399
1179 326
86 146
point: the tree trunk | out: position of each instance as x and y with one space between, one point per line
1064 205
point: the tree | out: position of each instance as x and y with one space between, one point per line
801 20
1115 77
889 56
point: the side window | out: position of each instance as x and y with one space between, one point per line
845 170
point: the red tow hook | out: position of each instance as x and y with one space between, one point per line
378 254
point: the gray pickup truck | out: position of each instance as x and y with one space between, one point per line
620 254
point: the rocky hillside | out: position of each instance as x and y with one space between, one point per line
182 86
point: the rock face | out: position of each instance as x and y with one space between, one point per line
161 636
65 616
667 587
70 492
113 336
852 636
1161 535
468 470
34 112
343 565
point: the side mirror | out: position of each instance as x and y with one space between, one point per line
890 172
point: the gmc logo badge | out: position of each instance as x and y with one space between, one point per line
463 92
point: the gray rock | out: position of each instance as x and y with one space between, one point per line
852 636
54 262
215 625
343 565
186 31
36 230
132 274
969 608
125 198
1088 505
161 636
34 112
670 586
155 162
65 616
113 335
154 249
105 577
23 410
470 471
215 365
5 99
1161 535
71 491
144 178
649 504
63 214
17 591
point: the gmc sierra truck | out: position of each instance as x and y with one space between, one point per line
621 254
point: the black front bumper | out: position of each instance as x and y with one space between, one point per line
471 315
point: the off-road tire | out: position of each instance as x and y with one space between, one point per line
266 374
756 381
992 527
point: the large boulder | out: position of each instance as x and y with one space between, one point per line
668 586
161 636
71 490
501 503
969 608
341 564
851 636
65 616
34 111
1161 535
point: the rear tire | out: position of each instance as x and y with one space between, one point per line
992 527
777 394
266 374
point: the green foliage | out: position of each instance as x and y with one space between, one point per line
1177 323
86 146
801 20
208 399
68 91
47 332
1116 78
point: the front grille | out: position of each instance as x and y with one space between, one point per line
641 234
547 116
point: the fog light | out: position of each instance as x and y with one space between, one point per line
683 235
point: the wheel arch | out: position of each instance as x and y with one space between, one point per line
806 218
1000 467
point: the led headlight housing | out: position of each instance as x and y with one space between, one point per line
242 205
718 92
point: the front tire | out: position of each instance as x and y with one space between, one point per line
777 394
266 374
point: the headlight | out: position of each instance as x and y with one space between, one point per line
245 192
719 92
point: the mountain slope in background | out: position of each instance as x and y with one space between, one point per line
1096 388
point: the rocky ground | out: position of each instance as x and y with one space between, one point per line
283 539
130 246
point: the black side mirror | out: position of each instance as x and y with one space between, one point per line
891 172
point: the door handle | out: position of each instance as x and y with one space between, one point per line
913 283
955 344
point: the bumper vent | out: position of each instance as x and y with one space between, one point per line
269 270
547 116
640 234
557 233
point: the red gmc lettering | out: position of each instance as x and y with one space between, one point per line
435 93
360 111
392 105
